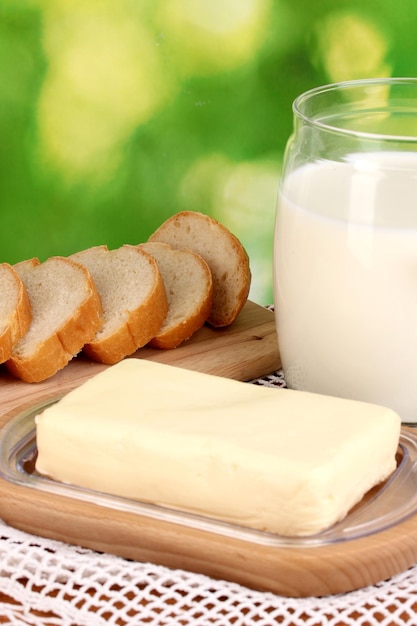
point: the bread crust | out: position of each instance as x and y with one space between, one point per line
18 322
141 325
174 337
173 333
212 240
64 342
227 283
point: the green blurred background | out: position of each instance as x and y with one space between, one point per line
114 114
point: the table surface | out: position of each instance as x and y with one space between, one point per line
45 583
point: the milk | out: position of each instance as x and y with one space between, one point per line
346 279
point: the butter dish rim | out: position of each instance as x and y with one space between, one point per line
386 506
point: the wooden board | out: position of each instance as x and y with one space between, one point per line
245 350
289 569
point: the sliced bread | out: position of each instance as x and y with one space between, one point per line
66 312
15 312
189 288
133 298
224 254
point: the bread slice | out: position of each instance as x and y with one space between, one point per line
15 311
224 254
189 288
66 312
133 298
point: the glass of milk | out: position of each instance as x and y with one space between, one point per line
345 257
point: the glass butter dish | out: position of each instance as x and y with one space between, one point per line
385 517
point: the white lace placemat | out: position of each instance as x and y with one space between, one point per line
48 583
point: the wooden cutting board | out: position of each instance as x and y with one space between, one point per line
245 350
297 567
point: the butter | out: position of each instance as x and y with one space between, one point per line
283 461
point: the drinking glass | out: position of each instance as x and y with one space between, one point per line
345 251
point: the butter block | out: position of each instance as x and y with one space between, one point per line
278 460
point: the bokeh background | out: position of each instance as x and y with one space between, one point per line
115 114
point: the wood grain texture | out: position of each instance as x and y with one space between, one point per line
289 571
245 350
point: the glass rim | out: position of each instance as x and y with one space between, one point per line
308 95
